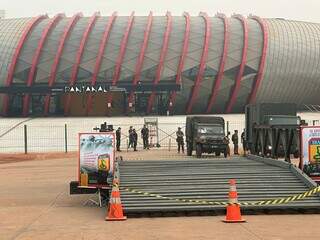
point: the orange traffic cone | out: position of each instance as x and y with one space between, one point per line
233 208
115 211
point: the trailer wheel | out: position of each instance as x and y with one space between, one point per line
189 149
198 151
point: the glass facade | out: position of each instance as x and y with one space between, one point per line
292 58
10 33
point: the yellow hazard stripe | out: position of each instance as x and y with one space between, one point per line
256 203
175 199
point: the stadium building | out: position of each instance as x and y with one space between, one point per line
132 65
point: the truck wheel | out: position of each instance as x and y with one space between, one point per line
189 149
198 150
218 154
225 153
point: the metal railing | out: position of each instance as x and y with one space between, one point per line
47 137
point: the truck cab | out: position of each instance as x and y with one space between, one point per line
205 135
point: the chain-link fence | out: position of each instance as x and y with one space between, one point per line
63 138
59 137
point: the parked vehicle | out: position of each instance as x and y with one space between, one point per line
205 134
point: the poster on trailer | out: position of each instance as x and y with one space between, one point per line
310 145
96 158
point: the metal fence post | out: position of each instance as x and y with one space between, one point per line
25 140
127 145
65 138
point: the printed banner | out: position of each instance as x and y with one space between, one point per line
310 145
96 158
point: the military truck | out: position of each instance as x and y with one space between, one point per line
205 134
272 129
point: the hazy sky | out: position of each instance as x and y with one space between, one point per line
306 10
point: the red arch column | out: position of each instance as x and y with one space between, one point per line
55 65
264 28
35 60
102 47
139 64
122 52
75 69
223 59
16 55
173 95
161 60
202 66
236 87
